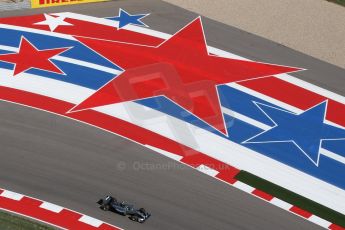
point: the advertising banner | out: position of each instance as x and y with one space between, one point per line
47 3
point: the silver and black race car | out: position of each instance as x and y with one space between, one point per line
109 203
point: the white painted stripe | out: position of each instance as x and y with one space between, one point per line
165 153
332 155
281 204
245 119
72 61
91 221
9 48
244 187
12 195
207 170
87 64
37 31
45 86
87 18
334 124
311 87
51 207
317 220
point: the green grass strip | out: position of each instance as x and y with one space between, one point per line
340 2
292 198
13 222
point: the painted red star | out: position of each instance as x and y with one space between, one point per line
180 68
29 57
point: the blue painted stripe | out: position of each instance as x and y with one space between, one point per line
79 51
335 146
3 52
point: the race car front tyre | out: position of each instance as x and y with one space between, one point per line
105 207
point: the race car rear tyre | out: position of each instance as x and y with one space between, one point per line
106 207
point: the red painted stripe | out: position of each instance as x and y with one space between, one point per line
65 219
300 212
70 219
296 96
228 177
196 160
336 227
262 194
335 112
284 91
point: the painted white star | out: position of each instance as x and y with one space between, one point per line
53 22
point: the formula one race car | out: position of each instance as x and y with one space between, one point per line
109 203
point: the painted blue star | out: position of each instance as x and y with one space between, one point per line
125 18
306 130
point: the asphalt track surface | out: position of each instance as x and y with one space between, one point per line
73 164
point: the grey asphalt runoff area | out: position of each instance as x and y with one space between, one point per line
72 164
